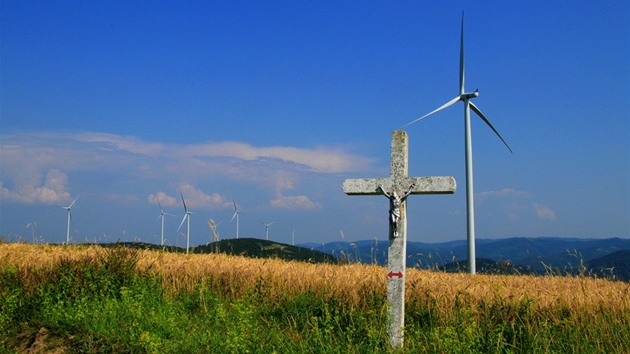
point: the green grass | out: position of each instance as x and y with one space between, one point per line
105 304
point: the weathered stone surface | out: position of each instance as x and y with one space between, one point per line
402 185
423 185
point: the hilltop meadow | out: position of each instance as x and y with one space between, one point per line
89 299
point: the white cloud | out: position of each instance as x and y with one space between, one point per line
321 159
195 198
162 198
509 203
52 192
324 160
108 160
295 202
114 142
503 193
544 212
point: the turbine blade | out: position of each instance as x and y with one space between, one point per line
183 202
233 216
446 105
182 223
476 110
74 201
461 59
233 201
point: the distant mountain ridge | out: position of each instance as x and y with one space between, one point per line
608 258
535 255
247 247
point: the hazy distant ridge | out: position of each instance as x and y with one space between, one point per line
537 254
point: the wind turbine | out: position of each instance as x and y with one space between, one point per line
292 235
162 213
32 225
69 208
186 218
236 212
267 229
465 97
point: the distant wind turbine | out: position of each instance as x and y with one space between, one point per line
236 212
292 235
162 214
32 225
267 229
69 208
186 218
465 97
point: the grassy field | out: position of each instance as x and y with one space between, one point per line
90 299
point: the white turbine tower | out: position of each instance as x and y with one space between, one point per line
186 218
236 212
69 208
465 97
267 229
292 235
162 214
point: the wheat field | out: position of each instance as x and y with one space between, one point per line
352 285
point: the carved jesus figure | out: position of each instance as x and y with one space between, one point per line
394 207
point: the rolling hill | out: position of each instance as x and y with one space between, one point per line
248 247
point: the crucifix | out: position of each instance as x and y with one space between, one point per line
397 188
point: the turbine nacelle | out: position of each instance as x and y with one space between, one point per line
467 96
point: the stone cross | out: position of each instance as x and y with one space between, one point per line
397 187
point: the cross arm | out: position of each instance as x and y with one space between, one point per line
422 185
364 186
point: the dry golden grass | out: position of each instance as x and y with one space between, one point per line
353 285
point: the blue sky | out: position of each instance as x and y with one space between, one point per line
273 104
